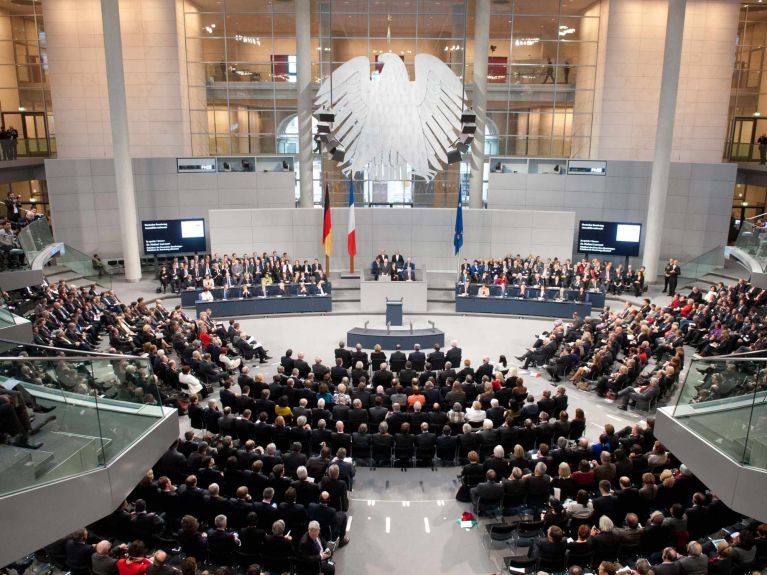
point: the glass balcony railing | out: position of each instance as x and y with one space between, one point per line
753 240
69 414
724 401
703 264
35 237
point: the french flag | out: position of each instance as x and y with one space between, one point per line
351 237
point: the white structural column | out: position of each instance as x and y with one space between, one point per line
304 87
118 115
479 99
664 136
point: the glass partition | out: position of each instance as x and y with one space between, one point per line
69 414
703 264
724 401
38 235
753 240
35 236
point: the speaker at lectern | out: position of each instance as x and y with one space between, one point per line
393 312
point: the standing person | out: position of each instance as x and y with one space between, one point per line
12 208
673 277
762 141
667 274
13 141
4 143
567 69
549 72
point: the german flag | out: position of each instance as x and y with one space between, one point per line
327 225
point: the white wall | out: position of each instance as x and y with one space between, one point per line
425 234
84 200
156 87
630 62
697 210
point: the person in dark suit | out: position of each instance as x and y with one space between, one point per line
344 354
286 361
339 498
292 513
453 355
338 372
251 536
486 369
490 490
277 544
221 542
331 521
397 360
437 358
417 358
313 550
266 510
552 548
359 355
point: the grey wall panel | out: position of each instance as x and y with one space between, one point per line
84 200
699 200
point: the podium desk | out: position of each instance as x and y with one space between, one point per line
394 312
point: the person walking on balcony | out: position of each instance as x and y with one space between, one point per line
549 72
762 141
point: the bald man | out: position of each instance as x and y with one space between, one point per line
102 563
160 566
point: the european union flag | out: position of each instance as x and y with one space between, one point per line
458 237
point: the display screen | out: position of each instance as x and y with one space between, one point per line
609 238
173 236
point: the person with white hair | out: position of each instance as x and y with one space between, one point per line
313 549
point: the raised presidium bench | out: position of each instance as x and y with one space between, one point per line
515 306
189 297
266 305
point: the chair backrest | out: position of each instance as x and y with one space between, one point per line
501 531
277 563
581 559
529 528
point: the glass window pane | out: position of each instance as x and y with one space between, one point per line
205 25
248 25
541 27
234 6
345 25
536 6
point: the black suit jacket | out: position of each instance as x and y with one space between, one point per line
418 359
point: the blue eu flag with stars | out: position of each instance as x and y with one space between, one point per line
458 237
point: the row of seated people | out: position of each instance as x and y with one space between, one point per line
522 291
592 275
634 356
615 351
199 271
281 289
606 511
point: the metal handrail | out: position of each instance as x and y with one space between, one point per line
89 355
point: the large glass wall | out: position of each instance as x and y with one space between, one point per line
241 57
541 74
241 68
25 97
748 96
